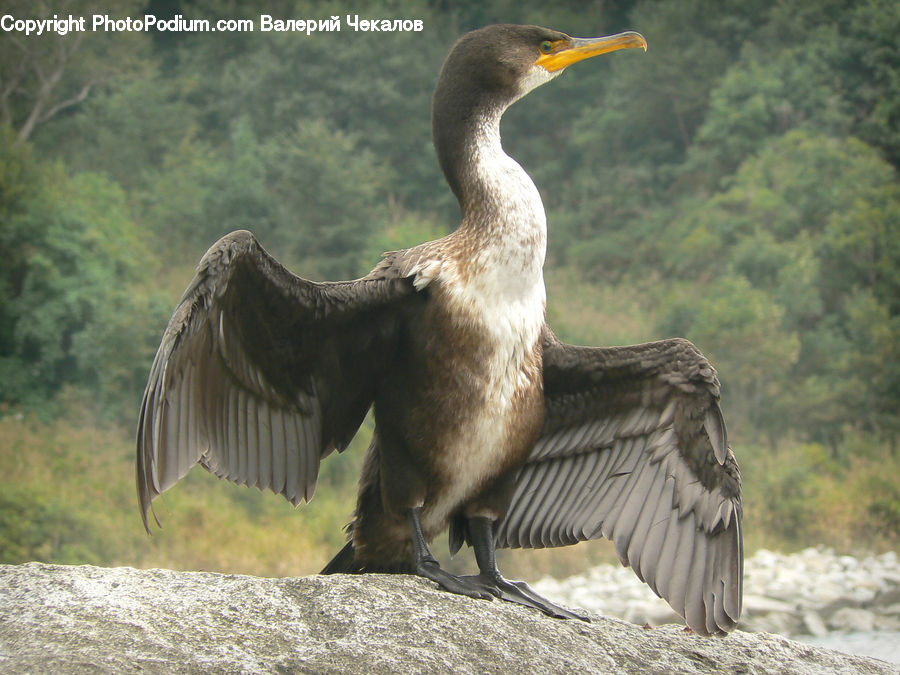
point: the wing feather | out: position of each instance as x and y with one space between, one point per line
547 507
667 557
530 516
179 426
279 454
651 553
195 435
635 538
694 592
292 453
634 449
236 383
557 530
583 522
266 480
620 482
250 454
605 485
232 435
622 518
560 503
681 566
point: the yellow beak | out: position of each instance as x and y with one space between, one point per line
584 48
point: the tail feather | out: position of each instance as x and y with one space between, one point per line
344 562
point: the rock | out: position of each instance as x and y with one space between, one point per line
814 624
655 612
790 594
836 606
783 623
87 620
887 622
852 620
760 603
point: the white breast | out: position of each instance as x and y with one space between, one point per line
512 321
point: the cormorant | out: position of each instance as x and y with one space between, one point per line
486 423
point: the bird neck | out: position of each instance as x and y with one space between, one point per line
498 199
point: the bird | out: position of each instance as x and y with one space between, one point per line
487 425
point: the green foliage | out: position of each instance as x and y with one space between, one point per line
35 527
67 495
125 132
818 66
19 176
200 193
799 495
740 328
808 227
74 265
408 230
46 75
362 84
319 177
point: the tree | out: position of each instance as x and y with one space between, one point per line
373 87
43 75
741 329
813 222
72 306
828 67
327 196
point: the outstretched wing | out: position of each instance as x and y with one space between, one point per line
260 373
634 449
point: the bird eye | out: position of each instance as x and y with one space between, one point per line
546 46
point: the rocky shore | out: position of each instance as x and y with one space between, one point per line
74 620
814 592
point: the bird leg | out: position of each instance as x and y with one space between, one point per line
427 566
489 579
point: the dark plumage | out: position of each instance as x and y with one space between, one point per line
485 422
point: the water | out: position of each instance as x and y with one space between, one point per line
879 644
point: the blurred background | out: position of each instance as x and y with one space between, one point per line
736 185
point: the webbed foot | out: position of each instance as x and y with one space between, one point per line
520 593
431 569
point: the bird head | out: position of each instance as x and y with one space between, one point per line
504 62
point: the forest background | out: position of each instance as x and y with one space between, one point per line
736 185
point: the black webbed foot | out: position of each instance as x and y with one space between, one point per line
489 582
520 593
430 569
426 566
481 534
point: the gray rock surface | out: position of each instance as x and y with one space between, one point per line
59 619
